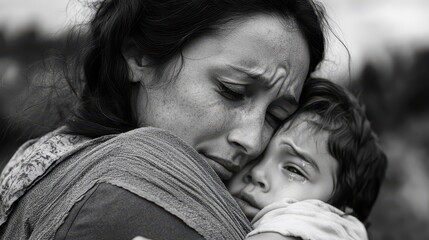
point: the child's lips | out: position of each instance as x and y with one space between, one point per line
249 209
249 198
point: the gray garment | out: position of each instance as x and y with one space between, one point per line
111 212
148 162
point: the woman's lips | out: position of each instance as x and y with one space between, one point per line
224 168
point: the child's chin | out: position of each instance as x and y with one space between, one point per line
248 209
250 212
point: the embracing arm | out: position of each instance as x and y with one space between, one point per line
271 236
111 212
307 219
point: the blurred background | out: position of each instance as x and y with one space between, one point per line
386 63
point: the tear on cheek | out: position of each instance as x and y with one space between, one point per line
295 177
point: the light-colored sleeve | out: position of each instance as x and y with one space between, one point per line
308 220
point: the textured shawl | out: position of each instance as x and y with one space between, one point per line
148 162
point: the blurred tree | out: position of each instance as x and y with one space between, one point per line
393 97
34 95
397 103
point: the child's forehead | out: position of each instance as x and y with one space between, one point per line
304 122
303 130
304 136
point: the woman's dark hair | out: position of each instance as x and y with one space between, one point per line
361 162
160 29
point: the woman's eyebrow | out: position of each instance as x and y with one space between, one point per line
303 155
258 75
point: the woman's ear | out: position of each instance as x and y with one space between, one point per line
137 63
135 67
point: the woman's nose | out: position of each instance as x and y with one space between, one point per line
258 178
250 136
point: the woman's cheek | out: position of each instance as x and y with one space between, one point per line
216 117
207 117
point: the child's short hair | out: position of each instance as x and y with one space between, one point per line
361 163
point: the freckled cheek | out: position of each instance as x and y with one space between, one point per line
206 116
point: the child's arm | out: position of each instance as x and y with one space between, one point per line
271 236
309 219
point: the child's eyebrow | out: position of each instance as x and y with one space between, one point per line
303 155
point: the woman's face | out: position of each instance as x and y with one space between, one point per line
232 91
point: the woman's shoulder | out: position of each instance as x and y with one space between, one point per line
46 143
127 216
150 134
38 154
140 142
32 160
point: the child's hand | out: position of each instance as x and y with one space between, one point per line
309 219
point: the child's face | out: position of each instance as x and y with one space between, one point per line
296 165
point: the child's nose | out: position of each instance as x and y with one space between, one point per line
258 178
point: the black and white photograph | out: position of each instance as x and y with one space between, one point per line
214 119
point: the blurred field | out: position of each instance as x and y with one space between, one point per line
397 103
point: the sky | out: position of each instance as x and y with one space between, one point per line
51 16
371 29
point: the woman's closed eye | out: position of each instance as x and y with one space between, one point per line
232 92
272 120
276 115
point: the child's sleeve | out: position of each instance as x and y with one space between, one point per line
308 220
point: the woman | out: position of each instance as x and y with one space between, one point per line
217 76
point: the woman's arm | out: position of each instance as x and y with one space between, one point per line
111 212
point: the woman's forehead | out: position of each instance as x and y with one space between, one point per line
275 54
260 51
258 42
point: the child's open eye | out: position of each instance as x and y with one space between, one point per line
294 170
294 173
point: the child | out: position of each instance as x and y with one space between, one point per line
325 152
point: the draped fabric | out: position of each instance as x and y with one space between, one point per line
30 163
310 219
148 162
